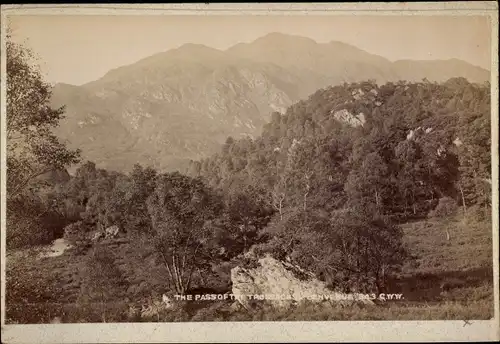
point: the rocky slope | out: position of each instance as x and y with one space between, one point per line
183 103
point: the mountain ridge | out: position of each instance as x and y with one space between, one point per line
181 104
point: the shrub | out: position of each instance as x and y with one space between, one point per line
76 231
103 283
31 222
31 295
446 207
476 214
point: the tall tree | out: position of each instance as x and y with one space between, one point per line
475 157
181 209
368 185
32 148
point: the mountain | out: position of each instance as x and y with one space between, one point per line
181 104
440 70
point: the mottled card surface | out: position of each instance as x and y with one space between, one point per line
249 173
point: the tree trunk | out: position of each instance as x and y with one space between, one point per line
357 265
103 308
178 275
463 199
202 278
383 279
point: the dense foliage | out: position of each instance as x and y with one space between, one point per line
421 142
325 186
33 151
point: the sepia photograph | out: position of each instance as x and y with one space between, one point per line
221 168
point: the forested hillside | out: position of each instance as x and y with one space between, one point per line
344 184
364 188
183 103
398 147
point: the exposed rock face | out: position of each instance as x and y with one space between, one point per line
185 102
349 118
457 142
413 133
283 285
112 232
97 235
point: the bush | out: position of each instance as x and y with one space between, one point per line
476 214
31 222
103 283
31 294
351 250
446 207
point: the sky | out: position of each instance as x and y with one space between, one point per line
77 49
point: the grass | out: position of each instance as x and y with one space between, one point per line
469 247
449 279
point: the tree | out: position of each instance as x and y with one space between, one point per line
32 148
181 211
247 213
367 249
411 175
475 157
351 250
368 185
134 212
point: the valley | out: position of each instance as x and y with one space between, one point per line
280 166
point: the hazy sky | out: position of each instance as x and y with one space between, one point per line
77 49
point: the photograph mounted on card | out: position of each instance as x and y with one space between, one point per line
174 169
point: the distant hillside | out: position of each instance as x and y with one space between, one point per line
182 104
440 70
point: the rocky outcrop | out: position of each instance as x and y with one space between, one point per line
97 235
346 117
413 134
282 285
112 232
457 142
186 101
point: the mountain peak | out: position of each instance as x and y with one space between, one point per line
195 47
283 38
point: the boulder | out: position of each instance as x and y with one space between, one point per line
153 307
410 135
282 285
457 142
97 235
167 301
346 117
112 232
